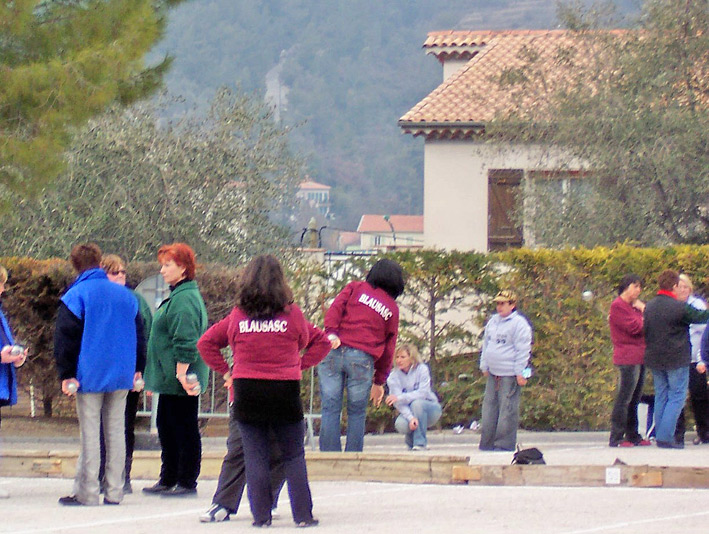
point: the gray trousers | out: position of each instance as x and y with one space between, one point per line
92 408
500 414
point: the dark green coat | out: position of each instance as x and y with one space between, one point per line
178 323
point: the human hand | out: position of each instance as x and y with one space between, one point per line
391 400
192 389
639 305
228 380
70 391
701 367
334 341
21 358
521 380
377 394
6 355
138 382
486 373
413 424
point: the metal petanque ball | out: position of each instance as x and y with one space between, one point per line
16 350
71 387
587 295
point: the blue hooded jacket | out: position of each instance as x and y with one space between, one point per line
106 313
8 384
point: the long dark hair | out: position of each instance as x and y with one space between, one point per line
262 291
387 275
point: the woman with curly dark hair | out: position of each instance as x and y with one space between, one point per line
266 333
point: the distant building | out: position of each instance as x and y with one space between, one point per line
399 231
316 195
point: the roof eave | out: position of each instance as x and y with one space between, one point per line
443 130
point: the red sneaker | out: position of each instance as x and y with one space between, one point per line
643 443
626 443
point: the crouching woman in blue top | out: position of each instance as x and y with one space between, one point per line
410 393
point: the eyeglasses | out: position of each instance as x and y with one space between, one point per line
119 271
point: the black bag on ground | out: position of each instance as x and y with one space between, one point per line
528 456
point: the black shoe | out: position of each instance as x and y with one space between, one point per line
109 502
312 522
179 491
157 489
70 500
261 524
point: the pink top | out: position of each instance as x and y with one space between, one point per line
264 349
366 318
626 324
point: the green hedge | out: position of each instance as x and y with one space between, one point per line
575 380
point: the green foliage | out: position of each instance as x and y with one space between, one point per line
62 62
575 380
224 183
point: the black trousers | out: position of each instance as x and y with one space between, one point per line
232 477
180 441
699 400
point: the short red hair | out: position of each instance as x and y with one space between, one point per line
182 254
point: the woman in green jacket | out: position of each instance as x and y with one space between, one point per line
178 323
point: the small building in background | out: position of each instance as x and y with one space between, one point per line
390 231
316 195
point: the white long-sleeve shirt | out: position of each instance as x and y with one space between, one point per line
411 386
507 345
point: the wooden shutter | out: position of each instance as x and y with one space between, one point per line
503 200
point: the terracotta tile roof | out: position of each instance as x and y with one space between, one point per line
456 44
462 104
313 185
401 223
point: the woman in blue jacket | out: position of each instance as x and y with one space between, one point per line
8 361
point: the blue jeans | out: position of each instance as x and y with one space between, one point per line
353 369
670 394
428 413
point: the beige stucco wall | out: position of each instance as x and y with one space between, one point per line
455 187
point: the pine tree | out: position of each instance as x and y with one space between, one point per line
62 61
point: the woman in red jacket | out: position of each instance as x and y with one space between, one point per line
362 324
266 333
625 320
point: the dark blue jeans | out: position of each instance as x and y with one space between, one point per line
624 418
257 453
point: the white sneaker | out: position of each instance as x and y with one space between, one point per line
4 493
216 514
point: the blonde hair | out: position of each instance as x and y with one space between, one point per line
688 281
412 351
112 263
3 275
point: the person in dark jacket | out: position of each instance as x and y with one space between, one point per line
625 321
666 323
362 324
98 349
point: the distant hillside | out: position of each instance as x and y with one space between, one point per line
342 72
